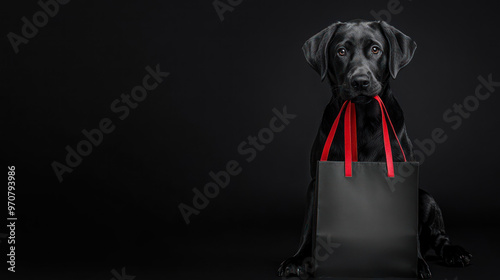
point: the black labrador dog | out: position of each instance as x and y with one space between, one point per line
358 58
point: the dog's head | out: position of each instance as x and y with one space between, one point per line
358 56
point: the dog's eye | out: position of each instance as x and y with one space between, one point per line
375 49
342 51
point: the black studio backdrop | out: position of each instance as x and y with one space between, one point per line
231 75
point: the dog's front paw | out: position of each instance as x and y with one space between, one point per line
454 255
294 266
423 269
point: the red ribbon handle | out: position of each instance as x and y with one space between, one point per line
347 140
350 137
331 134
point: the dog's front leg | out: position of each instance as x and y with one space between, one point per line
300 263
423 269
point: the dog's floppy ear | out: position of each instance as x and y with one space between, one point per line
316 49
401 48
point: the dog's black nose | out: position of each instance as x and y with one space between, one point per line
360 82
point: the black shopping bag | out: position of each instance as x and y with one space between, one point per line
366 222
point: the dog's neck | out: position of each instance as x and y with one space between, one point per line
368 122
369 130
368 115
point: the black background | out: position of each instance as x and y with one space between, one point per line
119 207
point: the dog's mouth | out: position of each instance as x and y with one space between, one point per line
361 96
362 99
